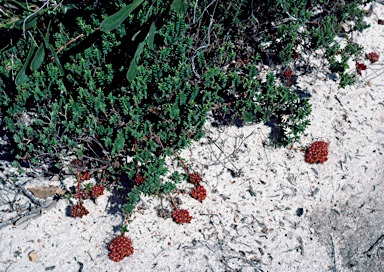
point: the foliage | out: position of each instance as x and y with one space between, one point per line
136 79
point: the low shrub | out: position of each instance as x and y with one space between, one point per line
118 87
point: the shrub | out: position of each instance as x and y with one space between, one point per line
79 82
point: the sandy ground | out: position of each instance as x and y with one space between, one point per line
266 209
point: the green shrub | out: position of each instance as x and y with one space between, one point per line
141 84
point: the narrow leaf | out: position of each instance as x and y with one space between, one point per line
113 21
30 22
135 35
22 76
46 38
38 59
179 6
132 71
151 35
56 59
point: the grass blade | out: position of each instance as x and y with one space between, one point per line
113 21
22 76
56 58
39 58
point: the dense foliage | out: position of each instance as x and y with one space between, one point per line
121 93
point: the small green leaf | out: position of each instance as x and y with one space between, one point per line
38 59
128 208
179 6
22 76
119 143
56 59
135 35
113 21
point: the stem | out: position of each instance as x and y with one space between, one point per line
103 179
78 187
173 202
182 162
71 41
135 149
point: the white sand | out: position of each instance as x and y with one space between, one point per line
249 222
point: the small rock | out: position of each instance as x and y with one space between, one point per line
46 191
299 212
33 256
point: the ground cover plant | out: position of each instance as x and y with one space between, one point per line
111 90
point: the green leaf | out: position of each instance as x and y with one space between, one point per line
113 21
151 35
179 6
22 76
38 59
119 143
46 37
128 208
135 35
132 71
56 59
30 22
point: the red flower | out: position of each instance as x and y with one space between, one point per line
78 211
195 178
97 190
360 67
84 175
181 216
373 56
139 179
288 73
120 247
199 193
317 152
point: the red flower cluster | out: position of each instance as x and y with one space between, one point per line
288 73
195 178
181 216
86 194
373 57
360 67
84 175
199 193
97 190
317 152
139 179
78 210
120 247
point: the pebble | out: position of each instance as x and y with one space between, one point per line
33 256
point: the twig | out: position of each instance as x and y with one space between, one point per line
378 241
214 142
208 44
333 255
68 43
71 41
26 18
254 264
